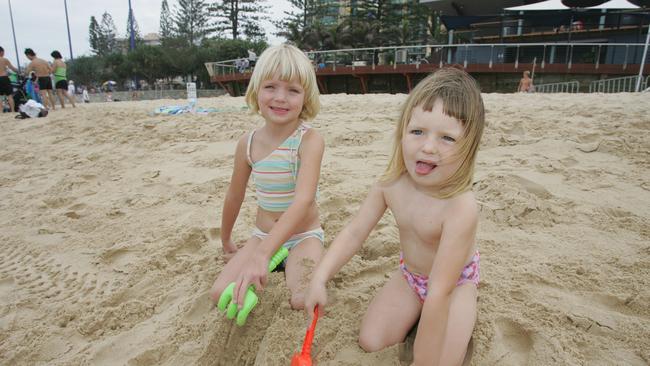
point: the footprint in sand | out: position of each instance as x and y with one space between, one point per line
191 243
532 187
512 343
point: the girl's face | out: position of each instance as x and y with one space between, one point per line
429 145
280 101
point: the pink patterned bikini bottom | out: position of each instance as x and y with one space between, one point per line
420 283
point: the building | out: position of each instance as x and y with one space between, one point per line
596 48
149 39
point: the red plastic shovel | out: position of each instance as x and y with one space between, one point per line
304 358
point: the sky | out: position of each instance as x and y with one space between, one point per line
41 26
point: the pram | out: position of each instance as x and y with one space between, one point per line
19 95
24 92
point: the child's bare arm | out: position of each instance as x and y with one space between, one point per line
458 236
235 194
344 246
351 238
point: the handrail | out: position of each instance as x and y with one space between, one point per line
616 85
572 86
546 53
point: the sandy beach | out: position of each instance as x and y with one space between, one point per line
109 227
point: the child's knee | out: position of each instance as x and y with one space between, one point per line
370 342
297 300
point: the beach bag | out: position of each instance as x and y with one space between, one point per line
32 109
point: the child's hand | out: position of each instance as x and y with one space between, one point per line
229 250
254 273
316 295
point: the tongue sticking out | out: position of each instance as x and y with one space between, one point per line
424 168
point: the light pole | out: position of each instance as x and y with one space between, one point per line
11 15
65 6
132 36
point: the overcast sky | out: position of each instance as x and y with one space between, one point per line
40 24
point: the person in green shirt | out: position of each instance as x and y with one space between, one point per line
59 70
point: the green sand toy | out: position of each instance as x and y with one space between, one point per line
250 301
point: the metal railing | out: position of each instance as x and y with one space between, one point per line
564 87
617 85
543 54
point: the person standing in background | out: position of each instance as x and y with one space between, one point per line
59 70
42 70
5 83
72 90
85 96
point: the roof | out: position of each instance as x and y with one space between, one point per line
557 5
473 7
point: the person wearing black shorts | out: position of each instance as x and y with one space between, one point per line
45 83
60 71
5 83
42 70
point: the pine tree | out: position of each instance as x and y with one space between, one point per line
94 36
108 34
166 26
298 24
191 20
240 17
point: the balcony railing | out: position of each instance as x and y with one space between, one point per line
540 54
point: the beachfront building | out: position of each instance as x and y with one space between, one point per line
149 39
599 47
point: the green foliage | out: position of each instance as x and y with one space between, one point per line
191 21
237 17
166 25
107 35
84 70
371 23
102 36
153 63
94 35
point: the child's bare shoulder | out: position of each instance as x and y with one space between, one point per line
463 204
313 135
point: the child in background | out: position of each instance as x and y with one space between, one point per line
284 158
85 96
427 187
32 89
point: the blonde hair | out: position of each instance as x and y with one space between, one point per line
461 99
288 63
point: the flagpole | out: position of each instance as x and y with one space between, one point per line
65 5
11 15
132 36
641 67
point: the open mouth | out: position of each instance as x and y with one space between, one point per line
424 167
280 110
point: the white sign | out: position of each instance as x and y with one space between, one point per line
191 92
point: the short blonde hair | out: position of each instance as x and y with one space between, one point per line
461 99
288 63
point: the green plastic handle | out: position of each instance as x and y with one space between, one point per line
227 304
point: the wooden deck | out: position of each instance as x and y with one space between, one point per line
235 83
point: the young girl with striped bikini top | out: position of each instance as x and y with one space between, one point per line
284 159
427 187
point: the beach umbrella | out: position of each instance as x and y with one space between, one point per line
641 3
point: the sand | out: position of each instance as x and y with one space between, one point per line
109 227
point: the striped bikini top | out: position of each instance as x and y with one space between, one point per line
275 175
